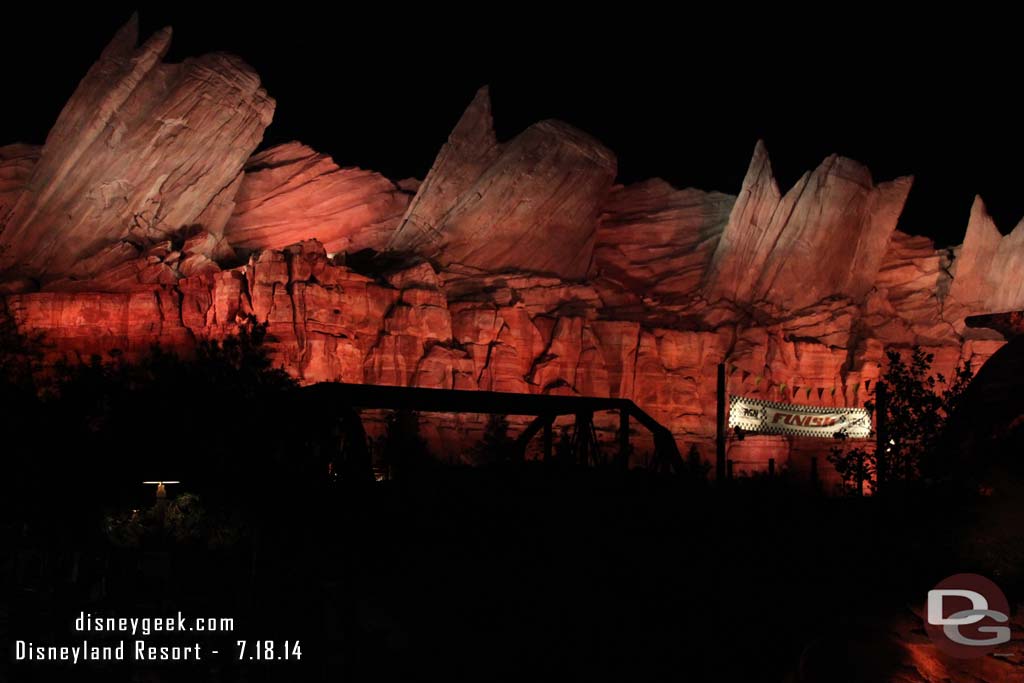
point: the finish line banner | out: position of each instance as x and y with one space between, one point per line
768 417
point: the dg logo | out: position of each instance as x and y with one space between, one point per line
967 616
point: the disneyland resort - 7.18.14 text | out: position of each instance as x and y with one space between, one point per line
137 650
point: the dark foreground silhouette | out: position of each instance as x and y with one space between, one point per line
516 569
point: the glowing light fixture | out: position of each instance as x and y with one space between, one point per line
161 492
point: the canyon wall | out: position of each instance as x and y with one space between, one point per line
517 266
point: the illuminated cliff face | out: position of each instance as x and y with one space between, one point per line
514 266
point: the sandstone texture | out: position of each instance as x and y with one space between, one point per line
16 164
483 201
142 150
825 237
513 266
290 193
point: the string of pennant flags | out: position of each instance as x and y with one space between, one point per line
796 389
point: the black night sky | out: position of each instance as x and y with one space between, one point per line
407 549
681 97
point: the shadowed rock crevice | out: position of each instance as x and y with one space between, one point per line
141 150
513 266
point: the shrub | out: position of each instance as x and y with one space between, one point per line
918 407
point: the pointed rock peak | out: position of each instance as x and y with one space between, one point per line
477 122
471 148
901 181
124 41
482 98
984 226
759 172
760 153
124 48
973 276
584 143
981 228
847 168
1016 235
172 136
978 206
158 43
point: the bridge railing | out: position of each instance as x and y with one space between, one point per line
343 399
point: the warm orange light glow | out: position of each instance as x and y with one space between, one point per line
161 492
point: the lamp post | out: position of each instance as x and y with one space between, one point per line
161 494
161 490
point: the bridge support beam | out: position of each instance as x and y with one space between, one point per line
356 464
624 450
523 440
720 472
585 449
548 440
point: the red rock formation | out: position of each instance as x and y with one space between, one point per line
77 325
906 305
538 275
824 238
482 202
141 150
123 267
655 240
290 193
986 272
471 148
16 164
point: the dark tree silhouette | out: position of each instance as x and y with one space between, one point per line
20 355
496 446
918 408
563 448
220 422
404 451
20 398
694 466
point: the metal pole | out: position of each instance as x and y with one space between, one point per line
623 439
720 436
860 474
548 428
881 434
